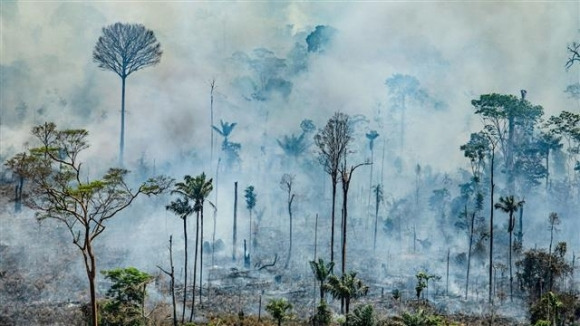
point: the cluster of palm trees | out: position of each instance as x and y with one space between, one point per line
346 287
192 192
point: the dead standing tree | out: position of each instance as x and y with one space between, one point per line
58 191
332 142
286 184
124 49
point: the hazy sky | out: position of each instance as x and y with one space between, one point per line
457 50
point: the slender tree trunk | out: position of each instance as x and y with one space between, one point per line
469 251
550 256
212 87
201 259
511 275
235 231
290 199
250 250
172 275
376 219
334 183
315 235
186 270
344 224
91 266
122 141
447 275
194 268
492 186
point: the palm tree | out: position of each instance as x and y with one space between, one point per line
321 272
196 189
279 309
363 316
346 287
510 206
183 209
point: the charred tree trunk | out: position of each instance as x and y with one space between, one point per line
201 259
194 268
469 251
186 270
235 231
492 186
122 141
290 200
332 222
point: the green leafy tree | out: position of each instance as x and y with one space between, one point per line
511 121
363 315
321 271
124 49
60 190
126 297
279 309
421 319
510 206
347 287
332 142
538 267
183 209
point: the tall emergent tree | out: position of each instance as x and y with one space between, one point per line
60 190
124 49
510 206
332 142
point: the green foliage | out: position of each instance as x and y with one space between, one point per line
323 315
347 287
421 319
126 297
423 282
279 309
321 271
536 268
250 198
363 315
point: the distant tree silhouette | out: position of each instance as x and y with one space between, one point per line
124 49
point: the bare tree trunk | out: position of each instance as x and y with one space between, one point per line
290 218
510 261
91 266
194 268
212 88
186 271
122 141
334 183
201 260
235 231
469 251
315 235
376 218
492 186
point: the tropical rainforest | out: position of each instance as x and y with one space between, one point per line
289 163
